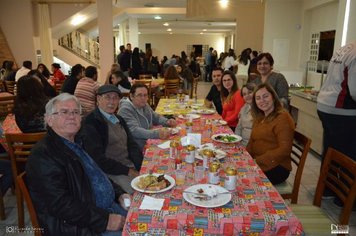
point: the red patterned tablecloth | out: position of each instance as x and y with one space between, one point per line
256 207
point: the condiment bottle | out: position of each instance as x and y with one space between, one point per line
189 126
190 157
173 149
207 154
178 163
213 176
230 179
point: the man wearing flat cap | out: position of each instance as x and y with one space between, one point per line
108 140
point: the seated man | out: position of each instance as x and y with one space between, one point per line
140 117
109 141
70 193
214 96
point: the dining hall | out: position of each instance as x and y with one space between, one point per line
184 117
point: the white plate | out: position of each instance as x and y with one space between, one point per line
237 138
219 154
135 181
187 116
217 201
206 111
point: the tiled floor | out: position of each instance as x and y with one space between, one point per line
306 192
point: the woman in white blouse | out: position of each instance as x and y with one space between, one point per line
244 126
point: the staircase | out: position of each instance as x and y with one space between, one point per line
82 46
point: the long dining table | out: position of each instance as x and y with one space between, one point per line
255 208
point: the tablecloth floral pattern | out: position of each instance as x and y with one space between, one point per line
256 207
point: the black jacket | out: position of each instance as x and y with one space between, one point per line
61 191
95 134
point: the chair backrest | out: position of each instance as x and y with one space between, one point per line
10 87
145 76
338 173
300 149
21 182
171 86
20 146
7 105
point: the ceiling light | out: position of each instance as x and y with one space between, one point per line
78 20
166 24
158 17
169 29
204 29
224 3
201 32
139 32
170 33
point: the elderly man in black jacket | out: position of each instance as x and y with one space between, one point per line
72 196
108 140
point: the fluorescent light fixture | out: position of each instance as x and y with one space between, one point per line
346 23
78 20
169 29
166 24
204 29
158 17
170 33
201 32
224 3
139 32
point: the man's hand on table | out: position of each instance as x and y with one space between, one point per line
164 133
125 201
115 222
172 123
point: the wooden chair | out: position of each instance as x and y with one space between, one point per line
300 149
338 173
171 86
20 146
194 88
145 76
10 87
21 182
2 86
6 105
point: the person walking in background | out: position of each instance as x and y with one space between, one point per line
208 64
126 60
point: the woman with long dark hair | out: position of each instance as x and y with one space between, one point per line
29 108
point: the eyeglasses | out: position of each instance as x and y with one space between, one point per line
107 97
140 95
67 113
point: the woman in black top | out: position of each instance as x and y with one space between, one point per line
30 104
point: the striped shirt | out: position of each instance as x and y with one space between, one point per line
86 93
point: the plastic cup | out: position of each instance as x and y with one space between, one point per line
180 177
199 173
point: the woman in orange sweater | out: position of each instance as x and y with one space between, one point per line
232 99
272 134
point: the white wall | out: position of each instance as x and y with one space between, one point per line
169 44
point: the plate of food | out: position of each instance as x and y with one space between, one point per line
206 111
226 138
207 195
218 154
189 116
153 183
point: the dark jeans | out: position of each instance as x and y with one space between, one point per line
277 175
339 133
6 180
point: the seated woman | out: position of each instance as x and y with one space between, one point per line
140 117
48 89
272 134
121 81
42 68
244 127
232 100
30 104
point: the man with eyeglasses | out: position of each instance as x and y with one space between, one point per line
71 194
140 117
109 141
